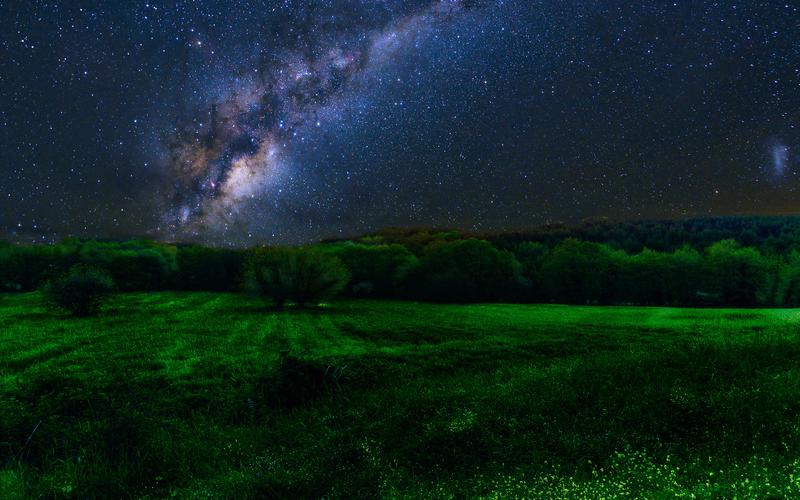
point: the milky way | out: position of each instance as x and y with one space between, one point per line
241 122
240 154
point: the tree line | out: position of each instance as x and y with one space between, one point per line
446 266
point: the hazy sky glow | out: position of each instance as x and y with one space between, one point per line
243 121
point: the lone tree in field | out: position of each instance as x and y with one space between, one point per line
312 275
263 276
82 290
304 275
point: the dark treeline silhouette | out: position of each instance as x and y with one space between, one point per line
737 262
769 234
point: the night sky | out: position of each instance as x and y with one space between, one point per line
242 122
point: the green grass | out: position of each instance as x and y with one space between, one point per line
189 395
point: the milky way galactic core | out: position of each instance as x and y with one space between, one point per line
243 151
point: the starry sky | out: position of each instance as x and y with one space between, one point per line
237 122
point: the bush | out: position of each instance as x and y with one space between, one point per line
82 291
301 274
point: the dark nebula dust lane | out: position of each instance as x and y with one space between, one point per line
243 121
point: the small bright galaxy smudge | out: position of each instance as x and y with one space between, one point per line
779 160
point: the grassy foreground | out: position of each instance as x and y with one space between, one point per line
211 395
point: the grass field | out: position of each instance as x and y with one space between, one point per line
212 395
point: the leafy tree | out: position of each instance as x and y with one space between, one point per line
577 272
303 275
788 281
203 268
134 264
739 275
469 270
263 276
27 267
531 255
311 275
683 277
82 290
137 270
375 269
660 278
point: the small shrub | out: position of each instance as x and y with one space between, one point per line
82 291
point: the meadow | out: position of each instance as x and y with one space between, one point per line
201 395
